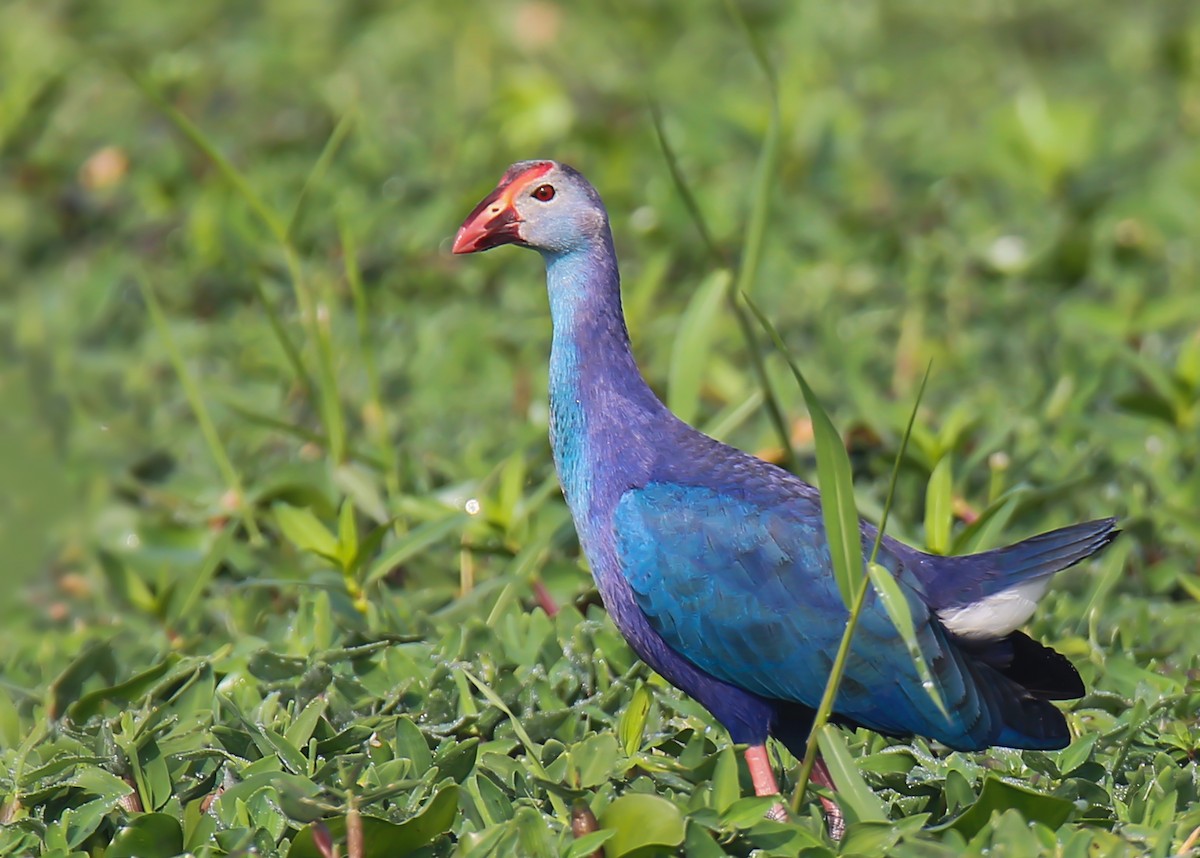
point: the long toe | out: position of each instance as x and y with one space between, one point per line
835 822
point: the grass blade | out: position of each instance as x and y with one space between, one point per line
413 543
532 749
340 132
303 529
887 588
299 432
191 390
682 186
754 234
290 351
333 415
374 413
984 532
314 319
862 804
891 492
774 409
198 139
184 600
764 171
693 342
825 707
939 507
724 423
838 510
265 214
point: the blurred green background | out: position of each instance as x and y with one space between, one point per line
1007 189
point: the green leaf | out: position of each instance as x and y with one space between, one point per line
595 759
187 595
347 547
458 760
838 510
11 730
305 531
870 838
1187 365
631 726
1077 753
699 843
491 801
899 611
271 743
857 801
152 775
693 342
413 543
583 847
639 820
411 744
122 693
939 507
533 833
78 823
985 532
383 839
725 786
998 796
747 812
301 729
198 826
784 840
151 835
66 688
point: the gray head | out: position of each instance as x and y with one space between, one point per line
540 204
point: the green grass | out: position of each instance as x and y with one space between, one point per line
248 396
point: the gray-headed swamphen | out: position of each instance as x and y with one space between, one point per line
714 564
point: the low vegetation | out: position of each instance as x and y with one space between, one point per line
283 521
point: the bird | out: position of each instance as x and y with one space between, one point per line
714 564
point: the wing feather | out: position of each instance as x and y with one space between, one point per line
746 593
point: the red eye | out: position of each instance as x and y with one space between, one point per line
543 193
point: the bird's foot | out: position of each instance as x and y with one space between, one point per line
778 812
765 784
835 822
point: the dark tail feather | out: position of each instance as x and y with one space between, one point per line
964 580
1038 669
1052 552
1022 719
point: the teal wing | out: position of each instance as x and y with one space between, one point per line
745 591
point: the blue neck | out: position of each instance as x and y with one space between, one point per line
598 398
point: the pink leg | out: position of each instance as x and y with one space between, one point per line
833 814
763 777
760 770
544 599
